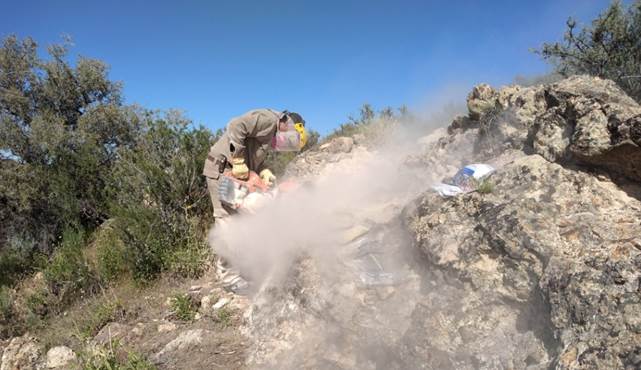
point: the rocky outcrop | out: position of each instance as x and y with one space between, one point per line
542 270
310 163
60 357
583 120
22 353
546 239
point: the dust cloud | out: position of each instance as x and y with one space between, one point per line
341 231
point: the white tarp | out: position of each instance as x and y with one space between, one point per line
465 180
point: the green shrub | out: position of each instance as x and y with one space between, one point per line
114 357
7 312
17 259
183 307
37 303
157 191
485 187
6 303
69 273
188 262
147 237
97 316
224 316
190 259
610 47
111 255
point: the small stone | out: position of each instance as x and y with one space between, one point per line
21 353
221 303
205 304
354 233
165 327
60 357
110 332
137 331
183 342
385 293
194 288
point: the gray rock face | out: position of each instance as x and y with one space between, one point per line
22 353
546 235
543 271
312 162
585 120
60 357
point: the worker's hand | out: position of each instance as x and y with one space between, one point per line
268 177
239 169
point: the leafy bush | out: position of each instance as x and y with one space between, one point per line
224 316
183 307
111 254
191 258
60 129
68 273
14 263
485 187
609 48
7 312
157 191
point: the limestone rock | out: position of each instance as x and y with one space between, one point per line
481 100
110 332
185 341
166 327
22 353
582 119
339 145
60 357
545 234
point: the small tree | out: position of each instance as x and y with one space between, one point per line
60 128
609 48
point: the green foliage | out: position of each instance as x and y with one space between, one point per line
485 187
7 311
224 316
14 263
183 307
370 125
157 190
60 128
111 255
609 48
37 303
113 357
190 259
97 316
68 273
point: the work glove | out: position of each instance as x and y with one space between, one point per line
239 169
268 177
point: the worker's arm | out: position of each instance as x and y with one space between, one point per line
238 130
260 123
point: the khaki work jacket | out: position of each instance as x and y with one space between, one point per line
248 136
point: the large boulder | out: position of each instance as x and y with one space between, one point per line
546 239
60 357
582 119
541 270
22 353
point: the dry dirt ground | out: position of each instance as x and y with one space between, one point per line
132 320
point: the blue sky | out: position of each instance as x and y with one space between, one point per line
218 59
